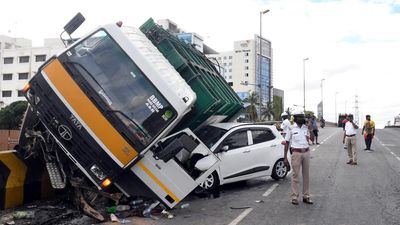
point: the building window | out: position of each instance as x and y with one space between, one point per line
7 76
6 93
246 68
22 76
230 70
230 64
224 57
23 59
8 60
219 58
230 84
230 57
224 64
246 60
20 93
230 77
246 54
246 74
40 58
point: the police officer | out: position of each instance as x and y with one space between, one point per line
297 140
285 126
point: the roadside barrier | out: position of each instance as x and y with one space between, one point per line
22 181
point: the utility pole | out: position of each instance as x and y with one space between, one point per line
356 110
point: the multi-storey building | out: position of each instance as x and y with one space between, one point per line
19 61
241 68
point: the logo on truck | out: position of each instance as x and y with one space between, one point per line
65 132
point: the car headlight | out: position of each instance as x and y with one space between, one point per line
98 172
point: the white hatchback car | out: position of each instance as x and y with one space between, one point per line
246 151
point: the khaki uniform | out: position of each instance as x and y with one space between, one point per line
351 141
300 158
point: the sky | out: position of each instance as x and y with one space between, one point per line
354 45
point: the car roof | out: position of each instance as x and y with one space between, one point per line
228 126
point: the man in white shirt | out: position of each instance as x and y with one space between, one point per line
349 137
297 137
285 123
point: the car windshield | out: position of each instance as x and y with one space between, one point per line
210 135
122 86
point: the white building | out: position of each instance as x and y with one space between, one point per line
19 61
241 67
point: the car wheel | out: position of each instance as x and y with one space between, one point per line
210 184
280 170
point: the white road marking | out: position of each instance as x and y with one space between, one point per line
241 216
385 146
270 190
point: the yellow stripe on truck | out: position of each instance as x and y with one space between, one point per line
92 117
153 177
15 183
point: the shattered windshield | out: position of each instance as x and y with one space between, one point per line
122 86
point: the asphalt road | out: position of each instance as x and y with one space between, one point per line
368 193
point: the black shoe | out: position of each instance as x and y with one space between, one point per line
365 149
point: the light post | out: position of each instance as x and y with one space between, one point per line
259 64
304 83
336 107
322 98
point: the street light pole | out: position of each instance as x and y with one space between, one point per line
304 84
322 98
336 119
260 61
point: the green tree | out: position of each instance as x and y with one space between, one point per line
11 115
251 109
277 108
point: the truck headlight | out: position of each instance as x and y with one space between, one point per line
98 172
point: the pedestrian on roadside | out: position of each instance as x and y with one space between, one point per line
344 121
369 132
349 138
285 124
315 129
309 124
297 141
322 122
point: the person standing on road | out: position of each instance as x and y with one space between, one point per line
310 129
369 132
297 141
343 123
349 137
285 124
315 129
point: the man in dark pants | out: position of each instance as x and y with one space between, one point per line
369 132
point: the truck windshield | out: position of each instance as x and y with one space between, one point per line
121 85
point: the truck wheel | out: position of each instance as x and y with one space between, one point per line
280 170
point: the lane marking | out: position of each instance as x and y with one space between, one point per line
270 190
385 147
241 216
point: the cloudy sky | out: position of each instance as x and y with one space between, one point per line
353 44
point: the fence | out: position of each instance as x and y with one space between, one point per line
8 139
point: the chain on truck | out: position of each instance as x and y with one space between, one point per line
105 108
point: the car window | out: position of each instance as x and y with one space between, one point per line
236 140
262 135
210 135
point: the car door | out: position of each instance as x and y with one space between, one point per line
235 155
266 148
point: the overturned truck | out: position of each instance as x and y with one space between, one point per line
118 107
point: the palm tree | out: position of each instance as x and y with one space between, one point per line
251 109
